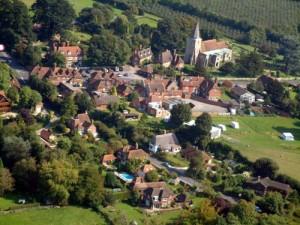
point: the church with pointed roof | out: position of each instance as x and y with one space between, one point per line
209 53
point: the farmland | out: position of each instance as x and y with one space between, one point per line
259 137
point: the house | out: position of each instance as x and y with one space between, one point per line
102 101
165 58
211 53
56 75
209 89
215 132
5 104
264 185
165 143
66 89
138 154
235 125
102 81
83 125
141 56
47 138
154 195
287 136
190 85
108 159
159 112
242 95
190 152
72 54
178 62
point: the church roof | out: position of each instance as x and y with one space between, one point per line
213 44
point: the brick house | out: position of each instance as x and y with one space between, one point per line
209 89
141 56
72 54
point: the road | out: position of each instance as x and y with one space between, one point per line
21 72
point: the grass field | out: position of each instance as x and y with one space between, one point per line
59 216
135 213
259 137
5 203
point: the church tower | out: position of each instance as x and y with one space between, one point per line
193 47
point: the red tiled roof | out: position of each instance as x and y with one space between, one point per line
213 44
108 158
70 51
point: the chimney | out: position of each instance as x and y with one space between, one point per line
258 178
136 145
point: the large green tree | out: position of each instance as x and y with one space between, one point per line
5 76
265 167
54 15
250 65
180 113
15 23
202 130
6 181
107 49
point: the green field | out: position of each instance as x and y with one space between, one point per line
57 216
134 213
259 137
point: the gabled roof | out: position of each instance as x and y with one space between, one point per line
268 183
70 51
165 57
165 139
213 44
45 134
137 154
108 158
238 91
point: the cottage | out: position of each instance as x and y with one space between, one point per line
66 89
108 159
47 138
287 136
264 185
72 54
141 56
102 82
154 195
190 85
83 125
5 105
242 95
102 101
165 143
209 89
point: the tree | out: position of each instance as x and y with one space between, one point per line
121 26
56 59
31 56
202 130
228 68
133 96
5 76
13 95
84 102
6 181
15 149
180 113
57 178
89 190
29 98
272 203
54 16
152 176
133 165
250 65
291 52
25 174
265 167
15 23
196 168
68 107
111 181
92 20
246 213
107 49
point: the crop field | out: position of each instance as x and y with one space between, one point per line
260 137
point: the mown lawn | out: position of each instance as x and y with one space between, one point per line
7 202
259 137
57 216
136 214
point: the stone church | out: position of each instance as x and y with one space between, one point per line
212 53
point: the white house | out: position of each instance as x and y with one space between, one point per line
165 142
235 125
287 136
215 132
242 95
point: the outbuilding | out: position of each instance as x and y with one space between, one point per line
215 132
235 125
287 136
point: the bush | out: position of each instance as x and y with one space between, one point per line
297 212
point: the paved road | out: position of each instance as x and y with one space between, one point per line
22 73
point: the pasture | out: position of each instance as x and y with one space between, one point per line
260 137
